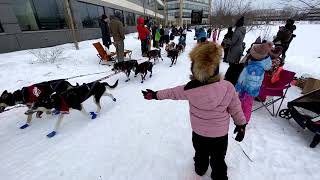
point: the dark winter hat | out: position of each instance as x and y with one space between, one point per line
240 22
290 21
258 40
103 17
117 15
275 52
205 59
260 51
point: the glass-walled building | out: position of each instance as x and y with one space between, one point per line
26 24
188 6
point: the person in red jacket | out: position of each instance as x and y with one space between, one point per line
144 34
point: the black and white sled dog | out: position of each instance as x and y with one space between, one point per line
143 69
173 55
28 95
154 54
72 98
126 67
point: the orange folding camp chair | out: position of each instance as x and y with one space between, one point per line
102 54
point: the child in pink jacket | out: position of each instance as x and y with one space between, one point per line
211 103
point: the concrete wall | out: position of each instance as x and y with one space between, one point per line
13 39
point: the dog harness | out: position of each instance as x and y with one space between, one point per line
34 92
64 108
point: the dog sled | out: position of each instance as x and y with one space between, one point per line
305 110
108 58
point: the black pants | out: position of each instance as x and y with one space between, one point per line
284 50
233 73
226 51
213 148
161 41
144 46
166 39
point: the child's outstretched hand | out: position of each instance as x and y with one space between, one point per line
149 94
240 130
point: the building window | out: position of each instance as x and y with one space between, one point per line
109 12
90 14
130 19
36 15
1 29
101 11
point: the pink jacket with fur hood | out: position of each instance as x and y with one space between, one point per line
210 107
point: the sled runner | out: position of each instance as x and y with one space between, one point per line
305 110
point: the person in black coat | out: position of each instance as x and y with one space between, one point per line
285 36
226 42
105 31
209 32
162 37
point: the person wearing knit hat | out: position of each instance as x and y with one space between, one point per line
211 102
260 51
250 80
273 75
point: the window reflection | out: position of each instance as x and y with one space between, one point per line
130 19
36 15
90 14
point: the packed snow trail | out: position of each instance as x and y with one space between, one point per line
136 139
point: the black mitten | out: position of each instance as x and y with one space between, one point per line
240 130
149 94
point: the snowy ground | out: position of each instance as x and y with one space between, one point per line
136 139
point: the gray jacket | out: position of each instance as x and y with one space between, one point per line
166 31
236 48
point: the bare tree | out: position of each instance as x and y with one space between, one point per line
48 55
301 4
226 12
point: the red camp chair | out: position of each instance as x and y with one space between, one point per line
276 90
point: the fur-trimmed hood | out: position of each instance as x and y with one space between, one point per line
205 59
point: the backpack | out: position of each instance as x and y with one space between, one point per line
284 34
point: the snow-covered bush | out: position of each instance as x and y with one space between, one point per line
48 55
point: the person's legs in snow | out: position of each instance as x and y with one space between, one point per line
120 50
201 157
246 104
217 160
144 46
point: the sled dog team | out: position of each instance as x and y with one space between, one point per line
60 95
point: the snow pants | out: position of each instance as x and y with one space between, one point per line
144 46
213 151
246 105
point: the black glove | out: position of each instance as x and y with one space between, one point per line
240 130
149 94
